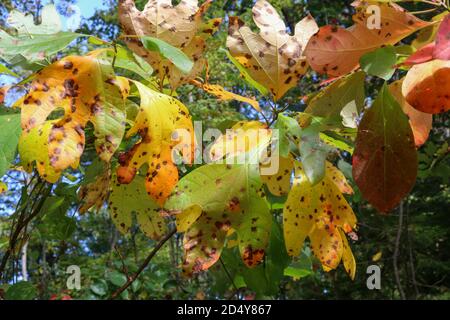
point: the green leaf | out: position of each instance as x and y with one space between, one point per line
116 278
15 50
96 168
22 290
385 157
56 225
126 199
174 55
99 287
9 139
246 75
127 60
343 100
313 153
380 63
5 70
289 133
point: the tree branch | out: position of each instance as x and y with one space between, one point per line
144 264
396 251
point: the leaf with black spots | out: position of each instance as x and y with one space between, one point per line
162 123
132 198
86 88
272 58
181 26
33 148
319 212
207 217
336 51
224 95
95 193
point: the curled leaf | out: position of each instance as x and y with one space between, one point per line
426 86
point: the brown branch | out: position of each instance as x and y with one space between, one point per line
144 264
22 224
396 251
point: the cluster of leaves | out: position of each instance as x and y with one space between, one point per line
122 100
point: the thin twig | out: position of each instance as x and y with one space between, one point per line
396 252
143 265
229 277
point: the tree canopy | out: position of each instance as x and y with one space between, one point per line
225 150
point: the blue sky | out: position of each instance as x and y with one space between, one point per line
83 8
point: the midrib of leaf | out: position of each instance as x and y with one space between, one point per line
253 54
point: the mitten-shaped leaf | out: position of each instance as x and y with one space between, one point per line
336 51
208 217
385 157
88 91
319 212
273 58
163 123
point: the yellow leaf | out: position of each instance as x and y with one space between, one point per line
319 212
242 137
162 123
347 256
95 193
280 183
426 86
3 187
87 90
377 256
132 198
273 57
224 95
32 148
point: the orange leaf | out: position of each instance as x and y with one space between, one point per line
336 51
426 87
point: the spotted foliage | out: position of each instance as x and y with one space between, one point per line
132 198
87 90
163 123
208 217
273 58
181 26
335 50
94 194
321 213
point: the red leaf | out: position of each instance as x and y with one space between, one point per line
422 55
442 50
385 157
